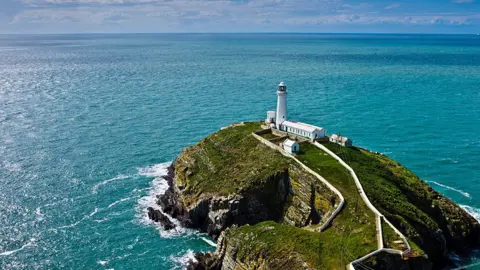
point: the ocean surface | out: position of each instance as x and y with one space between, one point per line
89 123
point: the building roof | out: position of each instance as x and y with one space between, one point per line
289 143
301 126
339 138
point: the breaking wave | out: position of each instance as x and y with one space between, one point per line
157 187
466 194
208 241
181 261
474 212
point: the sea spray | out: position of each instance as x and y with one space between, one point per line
182 260
466 194
473 211
158 186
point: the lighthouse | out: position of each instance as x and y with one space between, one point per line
281 114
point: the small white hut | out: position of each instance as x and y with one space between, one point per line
291 146
270 117
341 140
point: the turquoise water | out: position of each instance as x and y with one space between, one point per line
88 124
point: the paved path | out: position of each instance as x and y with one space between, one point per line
378 216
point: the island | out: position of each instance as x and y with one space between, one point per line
281 194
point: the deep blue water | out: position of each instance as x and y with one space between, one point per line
88 123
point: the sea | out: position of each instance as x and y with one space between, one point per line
90 122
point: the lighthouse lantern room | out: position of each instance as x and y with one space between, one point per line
278 119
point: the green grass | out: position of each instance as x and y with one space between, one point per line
227 162
353 232
389 236
391 188
286 247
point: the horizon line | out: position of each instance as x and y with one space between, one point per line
251 33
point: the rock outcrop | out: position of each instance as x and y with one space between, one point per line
157 216
213 214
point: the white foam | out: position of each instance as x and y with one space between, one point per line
94 212
71 225
40 215
12 167
79 221
98 185
466 194
158 186
119 201
474 212
182 261
101 220
103 263
208 241
158 170
10 252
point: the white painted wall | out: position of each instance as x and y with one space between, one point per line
270 117
281 108
320 133
291 149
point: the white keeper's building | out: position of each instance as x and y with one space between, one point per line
278 119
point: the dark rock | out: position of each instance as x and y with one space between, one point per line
213 215
157 216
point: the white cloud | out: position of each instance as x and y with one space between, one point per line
368 19
392 6
220 15
463 1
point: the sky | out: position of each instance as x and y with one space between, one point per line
159 16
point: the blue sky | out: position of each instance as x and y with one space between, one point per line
77 16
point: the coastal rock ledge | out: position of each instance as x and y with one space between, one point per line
213 214
265 210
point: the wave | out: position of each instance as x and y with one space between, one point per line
158 170
40 215
95 211
10 252
157 187
98 185
101 220
473 211
182 260
102 263
466 194
208 241
118 201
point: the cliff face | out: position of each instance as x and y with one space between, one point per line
213 214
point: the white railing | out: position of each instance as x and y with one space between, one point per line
378 215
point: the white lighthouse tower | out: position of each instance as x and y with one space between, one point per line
281 114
